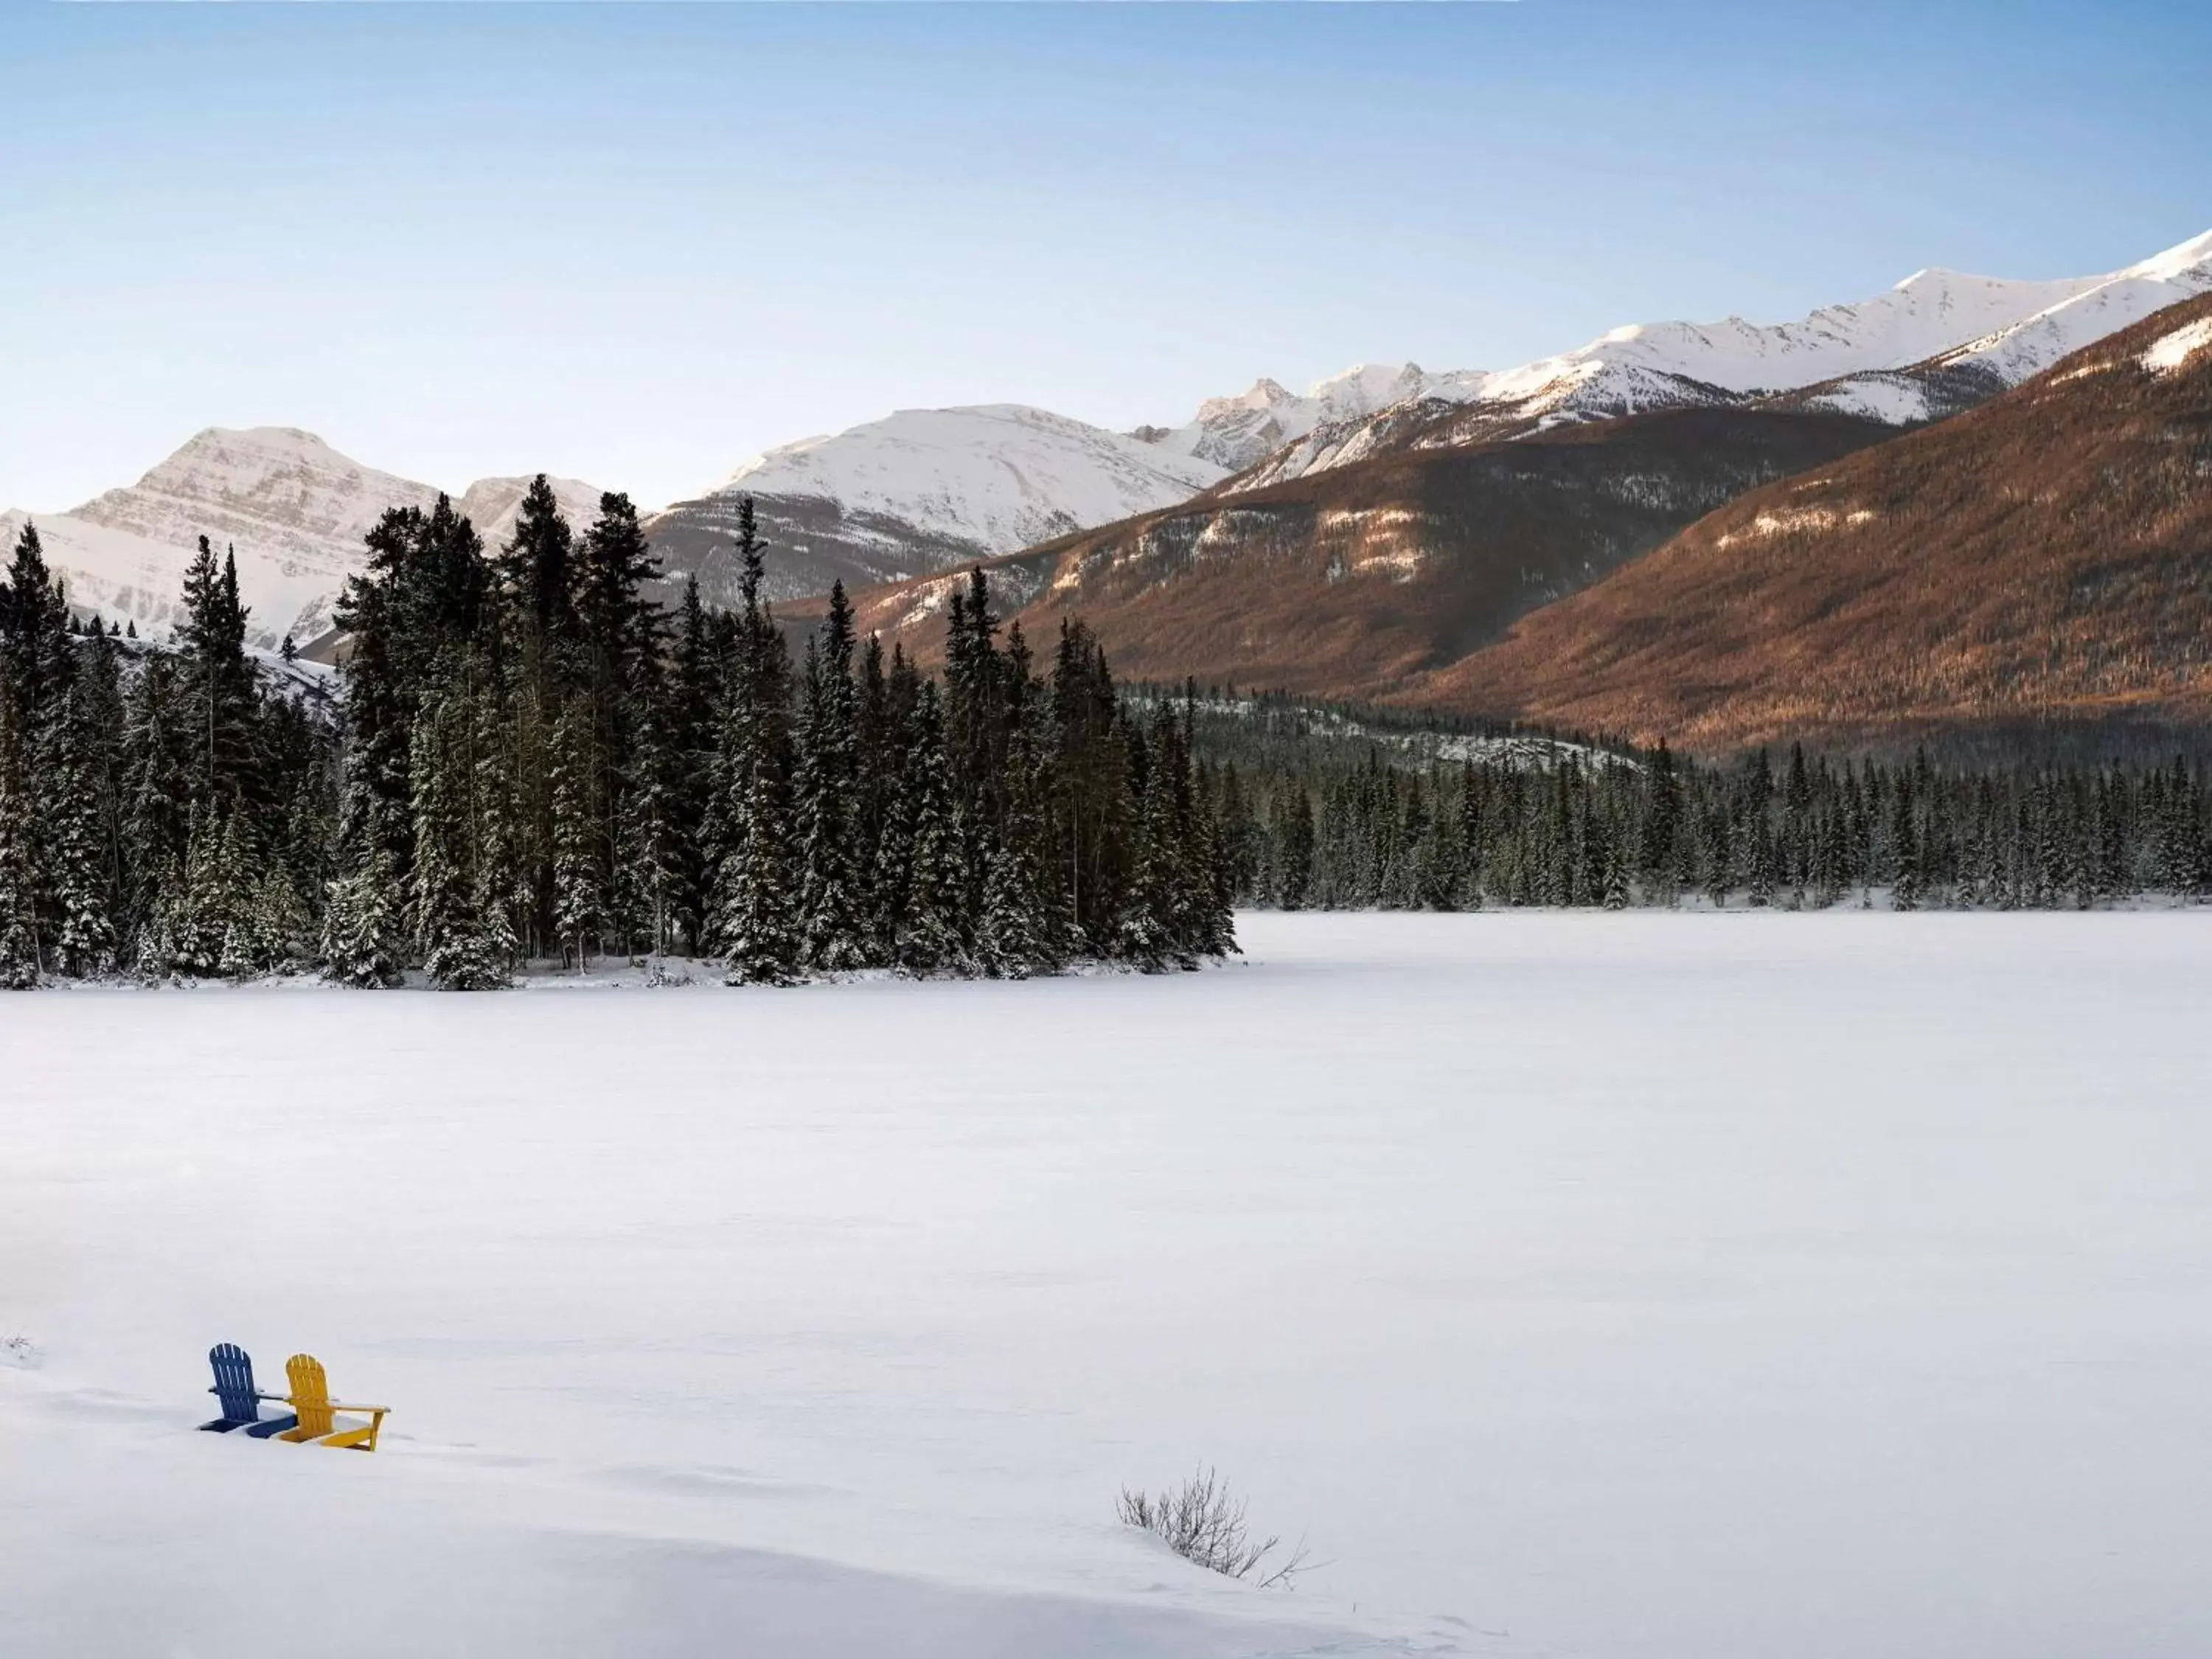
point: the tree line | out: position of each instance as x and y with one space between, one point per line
1587 827
534 762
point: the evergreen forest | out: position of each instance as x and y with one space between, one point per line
1522 821
532 761
527 761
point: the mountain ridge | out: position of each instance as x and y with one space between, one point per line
292 509
2040 563
853 505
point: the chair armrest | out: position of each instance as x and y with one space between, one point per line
338 1406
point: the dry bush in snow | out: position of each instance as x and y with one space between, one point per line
1202 1523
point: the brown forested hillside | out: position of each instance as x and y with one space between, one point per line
2042 561
1360 580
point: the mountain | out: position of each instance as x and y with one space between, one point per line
1237 433
920 490
926 491
2042 563
1937 343
293 508
1355 581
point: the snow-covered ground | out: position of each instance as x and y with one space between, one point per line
1642 1286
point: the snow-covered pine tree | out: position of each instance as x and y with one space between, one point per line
754 924
1216 875
19 874
752 920
1145 934
77 860
1014 938
621 633
501 890
894 806
219 679
1613 873
934 927
1026 924
578 902
649 854
100 719
833 909
1904 851
449 930
362 927
1762 858
226 915
694 687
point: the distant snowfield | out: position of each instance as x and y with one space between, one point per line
1683 1285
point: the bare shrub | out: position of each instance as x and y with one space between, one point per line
1202 1523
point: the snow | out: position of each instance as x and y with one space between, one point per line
2103 306
1654 1284
1895 401
2171 351
1000 477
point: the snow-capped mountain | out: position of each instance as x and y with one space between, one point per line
292 509
1234 432
1937 342
493 505
1001 475
923 489
2102 306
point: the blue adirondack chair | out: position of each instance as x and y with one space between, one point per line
240 1400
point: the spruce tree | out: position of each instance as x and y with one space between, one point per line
578 899
832 908
362 924
752 909
18 876
934 927
76 858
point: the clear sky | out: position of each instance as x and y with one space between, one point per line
635 244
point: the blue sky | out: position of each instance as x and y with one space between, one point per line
635 244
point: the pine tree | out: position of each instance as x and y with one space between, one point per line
752 909
832 910
361 925
695 691
19 876
220 680
1011 944
1904 851
458 953
84 930
578 901
934 927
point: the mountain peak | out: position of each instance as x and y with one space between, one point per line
2178 261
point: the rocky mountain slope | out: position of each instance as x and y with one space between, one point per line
923 489
294 509
1356 581
2045 560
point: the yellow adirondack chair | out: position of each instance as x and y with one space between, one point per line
311 1398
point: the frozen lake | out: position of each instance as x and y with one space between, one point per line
1639 1286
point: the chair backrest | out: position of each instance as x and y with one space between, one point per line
311 1393
233 1383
